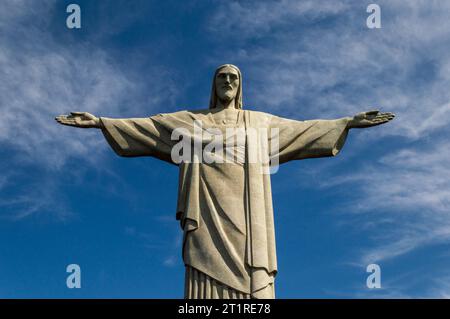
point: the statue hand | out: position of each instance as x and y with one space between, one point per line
79 119
368 119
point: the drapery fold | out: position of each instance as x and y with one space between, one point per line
225 209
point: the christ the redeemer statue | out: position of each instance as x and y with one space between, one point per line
225 207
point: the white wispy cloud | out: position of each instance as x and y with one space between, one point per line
308 67
442 288
168 252
42 77
405 286
406 197
35 200
258 18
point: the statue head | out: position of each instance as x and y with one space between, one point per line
227 86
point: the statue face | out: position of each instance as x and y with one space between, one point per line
227 84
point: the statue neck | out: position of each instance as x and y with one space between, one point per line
225 104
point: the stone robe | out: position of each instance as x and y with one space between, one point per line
225 209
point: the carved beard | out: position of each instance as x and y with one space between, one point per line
228 96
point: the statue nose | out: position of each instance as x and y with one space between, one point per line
228 79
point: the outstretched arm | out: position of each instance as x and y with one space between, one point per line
368 119
319 138
79 119
149 136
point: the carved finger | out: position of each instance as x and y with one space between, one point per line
387 114
384 116
61 118
69 123
381 121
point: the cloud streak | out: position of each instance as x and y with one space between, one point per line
343 67
409 191
43 77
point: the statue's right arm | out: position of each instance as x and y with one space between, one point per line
79 119
129 137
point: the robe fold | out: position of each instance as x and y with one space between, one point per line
225 209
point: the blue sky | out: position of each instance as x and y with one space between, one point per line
66 198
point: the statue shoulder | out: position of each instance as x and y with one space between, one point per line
183 115
261 116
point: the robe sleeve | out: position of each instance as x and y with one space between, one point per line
139 137
308 139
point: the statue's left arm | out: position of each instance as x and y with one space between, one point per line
319 138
